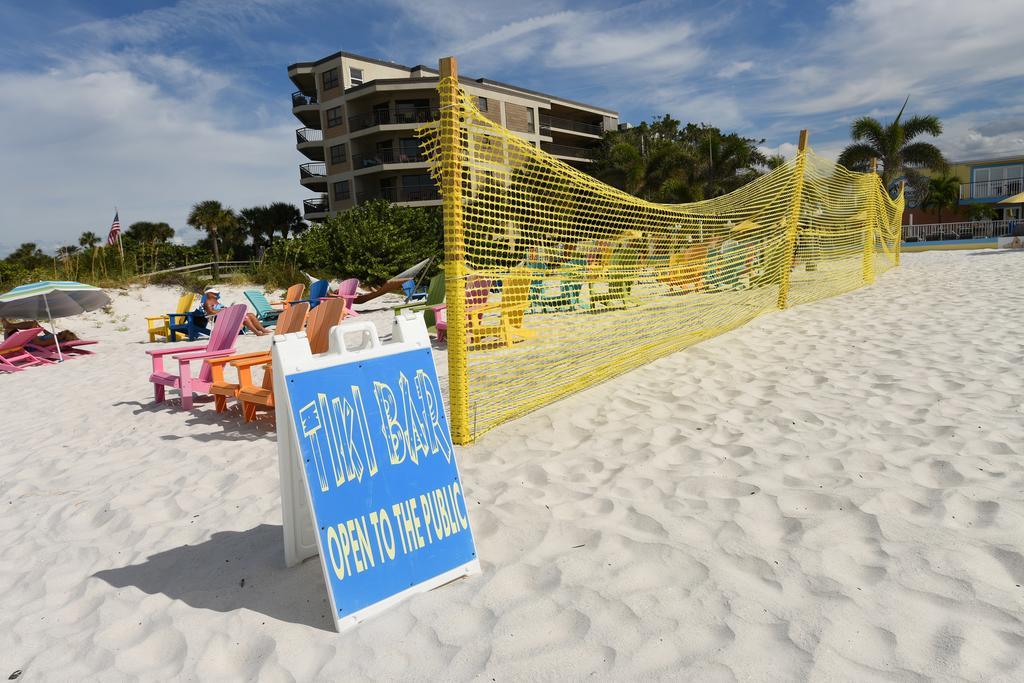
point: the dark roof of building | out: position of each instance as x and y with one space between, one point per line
481 81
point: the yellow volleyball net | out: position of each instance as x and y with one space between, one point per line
556 281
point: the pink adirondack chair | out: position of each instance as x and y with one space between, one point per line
226 326
14 356
477 290
347 291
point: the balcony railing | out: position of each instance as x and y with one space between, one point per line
933 232
388 156
300 99
314 169
565 151
316 205
308 135
549 122
400 194
383 117
991 189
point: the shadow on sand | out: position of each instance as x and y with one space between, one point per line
993 252
232 426
210 576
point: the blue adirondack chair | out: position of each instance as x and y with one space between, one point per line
265 313
317 291
412 293
191 325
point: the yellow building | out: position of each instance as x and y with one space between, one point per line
992 181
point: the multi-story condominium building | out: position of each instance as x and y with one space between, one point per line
359 117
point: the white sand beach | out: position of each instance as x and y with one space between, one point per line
832 492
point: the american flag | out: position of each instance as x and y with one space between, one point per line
115 230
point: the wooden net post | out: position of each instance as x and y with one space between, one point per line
793 227
451 155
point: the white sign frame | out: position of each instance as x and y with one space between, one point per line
291 354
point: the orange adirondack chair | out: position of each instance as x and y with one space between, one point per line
293 294
291 320
329 313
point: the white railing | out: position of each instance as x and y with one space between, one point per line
984 189
931 232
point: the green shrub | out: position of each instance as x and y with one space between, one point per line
372 242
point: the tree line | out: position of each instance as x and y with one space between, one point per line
148 246
661 161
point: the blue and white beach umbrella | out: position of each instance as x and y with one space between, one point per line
51 299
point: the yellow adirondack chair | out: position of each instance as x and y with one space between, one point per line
159 325
508 329
291 320
321 319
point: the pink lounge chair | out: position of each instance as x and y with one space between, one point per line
14 356
69 349
226 326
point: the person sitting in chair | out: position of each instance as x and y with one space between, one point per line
212 306
44 339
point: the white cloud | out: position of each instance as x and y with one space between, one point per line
735 69
99 134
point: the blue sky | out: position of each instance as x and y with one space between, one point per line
152 106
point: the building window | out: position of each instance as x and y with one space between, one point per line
330 79
418 188
355 76
341 190
408 150
529 119
338 154
997 181
333 117
481 103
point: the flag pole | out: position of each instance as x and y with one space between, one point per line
120 247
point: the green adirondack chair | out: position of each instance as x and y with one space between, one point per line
435 296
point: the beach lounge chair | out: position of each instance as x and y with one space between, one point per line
265 313
291 320
69 349
14 356
160 325
252 397
221 343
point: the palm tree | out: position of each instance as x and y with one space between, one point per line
89 240
943 193
152 233
285 218
211 217
255 222
891 143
